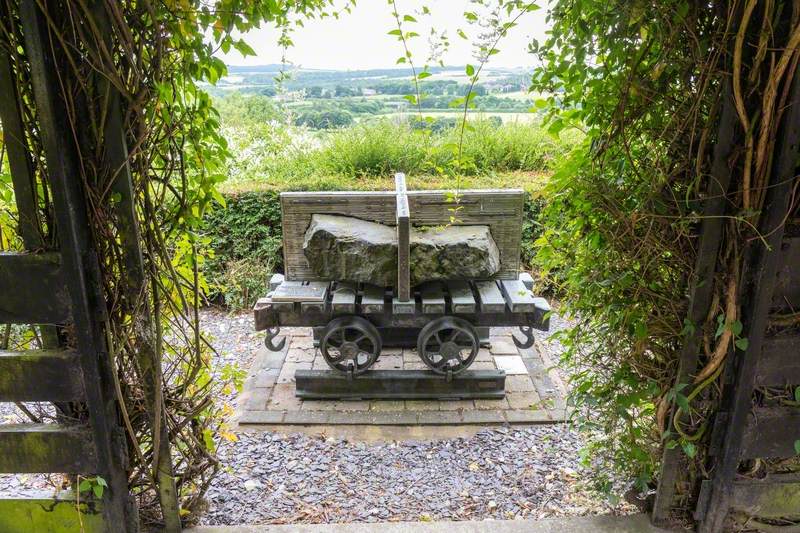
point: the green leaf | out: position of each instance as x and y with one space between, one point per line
689 449
742 344
396 32
409 18
98 491
470 70
424 74
683 402
244 48
797 447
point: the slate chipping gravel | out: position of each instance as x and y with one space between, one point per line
499 473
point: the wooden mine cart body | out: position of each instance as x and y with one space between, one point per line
401 315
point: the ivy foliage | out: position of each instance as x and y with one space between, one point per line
619 236
649 82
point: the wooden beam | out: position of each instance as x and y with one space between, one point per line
33 289
756 302
79 263
40 376
774 497
405 384
701 287
771 432
19 159
787 286
43 512
46 448
779 363
403 240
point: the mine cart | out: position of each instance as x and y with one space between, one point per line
446 319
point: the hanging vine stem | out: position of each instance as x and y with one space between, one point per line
153 57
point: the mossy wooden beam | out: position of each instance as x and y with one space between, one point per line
40 376
777 496
33 289
46 448
54 515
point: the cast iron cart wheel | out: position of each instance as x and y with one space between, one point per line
350 343
448 344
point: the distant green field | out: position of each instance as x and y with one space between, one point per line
510 117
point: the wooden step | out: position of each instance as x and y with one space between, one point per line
40 376
779 363
46 448
33 289
771 432
786 295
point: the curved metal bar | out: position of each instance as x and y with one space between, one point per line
271 334
527 331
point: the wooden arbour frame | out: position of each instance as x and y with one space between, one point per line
59 289
771 284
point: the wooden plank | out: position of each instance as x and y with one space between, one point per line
19 159
403 307
403 221
517 296
756 302
344 298
501 210
373 300
46 448
461 298
40 376
779 363
400 384
79 262
774 497
701 287
313 291
432 296
275 280
53 514
771 432
786 297
491 299
33 289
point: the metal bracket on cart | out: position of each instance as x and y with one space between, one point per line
527 332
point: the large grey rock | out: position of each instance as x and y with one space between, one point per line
455 252
350 249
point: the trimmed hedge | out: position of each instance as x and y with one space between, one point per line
245 241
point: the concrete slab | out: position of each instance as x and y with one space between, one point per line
579 524
512 364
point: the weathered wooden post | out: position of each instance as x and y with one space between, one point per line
403 302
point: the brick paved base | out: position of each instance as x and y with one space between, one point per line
534 392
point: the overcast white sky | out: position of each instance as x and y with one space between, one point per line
359 40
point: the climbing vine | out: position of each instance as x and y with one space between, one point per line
648 81
150 59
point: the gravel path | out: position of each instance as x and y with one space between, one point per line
499 473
